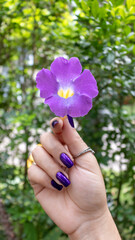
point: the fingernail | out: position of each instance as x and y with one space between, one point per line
70 119
63 179
66 160
54 123
56 185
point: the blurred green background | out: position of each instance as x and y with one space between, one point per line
102 35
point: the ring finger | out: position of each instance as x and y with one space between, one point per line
37 178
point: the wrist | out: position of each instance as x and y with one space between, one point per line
102 228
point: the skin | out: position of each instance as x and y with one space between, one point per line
80 210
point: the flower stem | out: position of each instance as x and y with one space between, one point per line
70 119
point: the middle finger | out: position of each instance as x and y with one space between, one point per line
56 149
47 164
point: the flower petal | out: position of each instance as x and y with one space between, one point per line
86 84
58 105
75 106
66 70
79 105
47 83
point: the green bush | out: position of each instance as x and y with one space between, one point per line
102 35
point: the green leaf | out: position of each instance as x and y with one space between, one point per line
130 3
95 8
30 231
54 234
134 49
85 6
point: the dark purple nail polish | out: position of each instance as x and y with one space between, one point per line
54 123
70 119
63 179
66 160
56 185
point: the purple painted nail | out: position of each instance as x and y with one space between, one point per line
63 179
56 185
54 123
66 160
70 119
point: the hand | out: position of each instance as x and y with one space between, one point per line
80 209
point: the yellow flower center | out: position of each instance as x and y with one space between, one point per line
65 93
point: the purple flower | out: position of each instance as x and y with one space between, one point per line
66 90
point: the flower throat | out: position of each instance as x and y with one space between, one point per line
65 93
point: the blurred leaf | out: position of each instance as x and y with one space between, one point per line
30 231
95 8
54 234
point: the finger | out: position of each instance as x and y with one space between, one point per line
37 176
54 147
68 135
57 124
72 139
47 164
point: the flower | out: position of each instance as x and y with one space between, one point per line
66 90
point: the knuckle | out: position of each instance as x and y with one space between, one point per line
47 140
35 150
53 146
44 136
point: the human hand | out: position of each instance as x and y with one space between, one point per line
80 209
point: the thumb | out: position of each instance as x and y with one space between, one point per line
69 136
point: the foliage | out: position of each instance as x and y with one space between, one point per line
29 219
101 34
